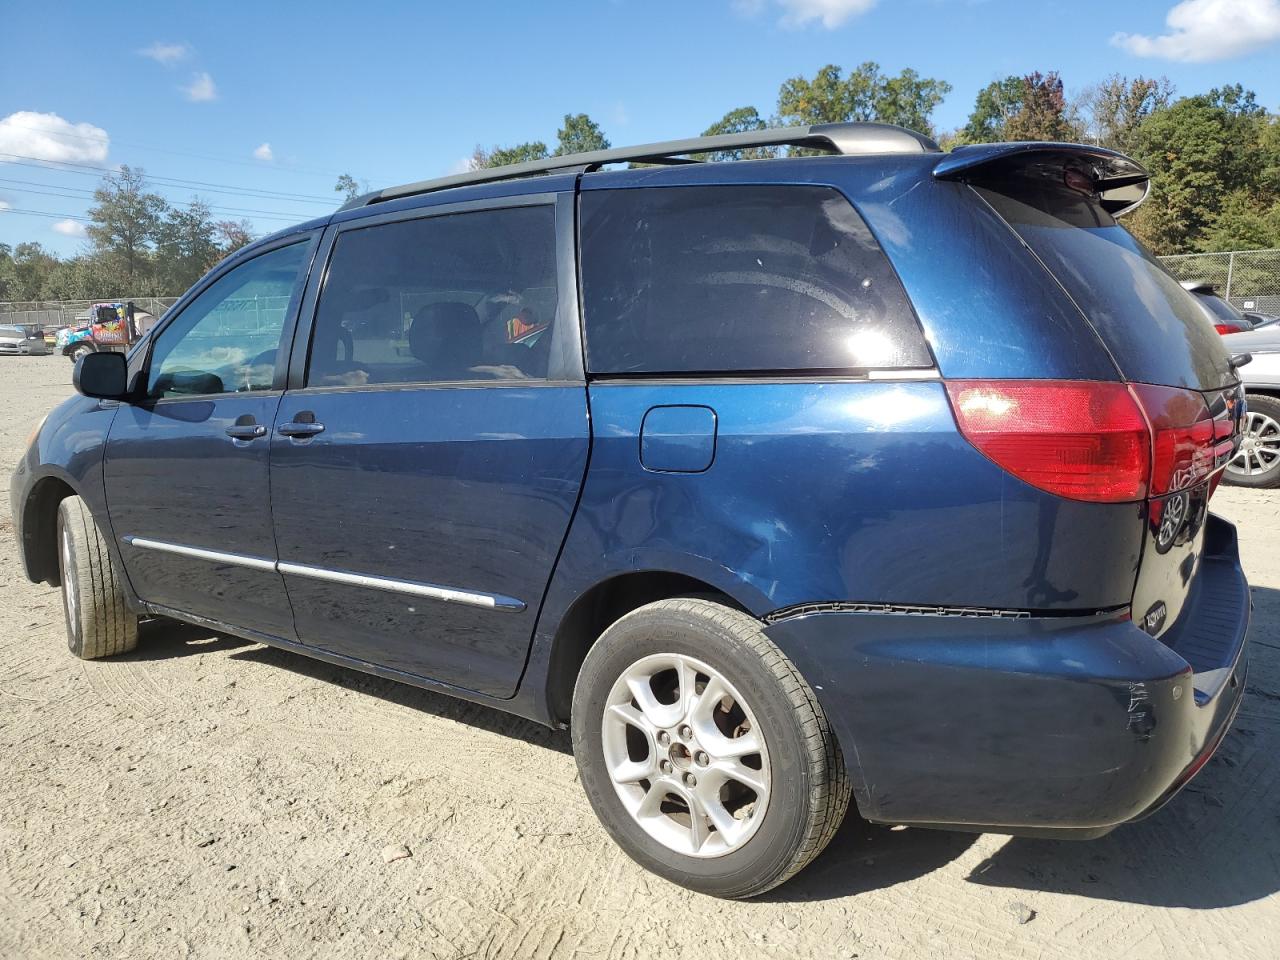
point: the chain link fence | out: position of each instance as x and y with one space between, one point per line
1250 279
51 314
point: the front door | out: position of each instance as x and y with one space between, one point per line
424 473
186 466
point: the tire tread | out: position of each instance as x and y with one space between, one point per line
107 626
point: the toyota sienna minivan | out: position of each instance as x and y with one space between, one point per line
882 475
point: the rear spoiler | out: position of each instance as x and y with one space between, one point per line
1120 182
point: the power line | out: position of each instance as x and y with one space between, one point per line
88 169
74 193
45 213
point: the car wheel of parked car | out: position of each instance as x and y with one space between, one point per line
703 750
1257 462
99 622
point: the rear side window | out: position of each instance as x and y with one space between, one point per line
738 278
1153 327
468 296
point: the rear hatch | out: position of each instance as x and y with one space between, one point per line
1061 201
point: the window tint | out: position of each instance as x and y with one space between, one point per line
228 338
1219 308
1152 326
738 278
468 296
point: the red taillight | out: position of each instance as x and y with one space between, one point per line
1224 328
1079 439
1187 444
1103 442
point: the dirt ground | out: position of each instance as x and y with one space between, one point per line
208 797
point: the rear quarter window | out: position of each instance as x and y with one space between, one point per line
730 279
1153 327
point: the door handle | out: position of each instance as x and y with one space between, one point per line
301 426
245 429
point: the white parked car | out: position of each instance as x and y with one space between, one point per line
25 340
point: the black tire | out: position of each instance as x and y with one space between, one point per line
78 351
99 622
808 785
1268 407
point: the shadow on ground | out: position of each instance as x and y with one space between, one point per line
415 698
1216 844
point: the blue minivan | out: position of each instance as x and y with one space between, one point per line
882 474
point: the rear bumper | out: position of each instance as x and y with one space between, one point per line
1043 726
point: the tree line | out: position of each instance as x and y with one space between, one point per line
1214 159
139 245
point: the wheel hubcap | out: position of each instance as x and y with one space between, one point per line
686 756
1259 447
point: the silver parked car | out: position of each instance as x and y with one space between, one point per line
1257 462
24 339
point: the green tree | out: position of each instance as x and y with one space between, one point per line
186 245
909 100
1235 100
1199 151
580 134
90 277
505 156
124 220
1042 114
348 187
741 120
865 94
995 104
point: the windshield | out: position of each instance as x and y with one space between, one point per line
1152 326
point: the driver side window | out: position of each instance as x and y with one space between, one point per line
228 338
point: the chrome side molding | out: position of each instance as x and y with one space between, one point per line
493 601
473 598
215 556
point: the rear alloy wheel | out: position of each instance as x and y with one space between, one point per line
1257 462
703 751
99 622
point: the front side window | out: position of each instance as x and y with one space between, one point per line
458 297
738 278
228 338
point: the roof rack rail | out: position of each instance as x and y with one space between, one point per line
839 138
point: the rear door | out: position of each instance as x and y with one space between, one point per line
428 456
186 467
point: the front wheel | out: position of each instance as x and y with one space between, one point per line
81 350
1257 462
99 622
703 751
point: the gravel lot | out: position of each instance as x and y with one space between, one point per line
208 797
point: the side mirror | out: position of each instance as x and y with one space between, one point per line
102 375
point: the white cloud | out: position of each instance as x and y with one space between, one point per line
69 228
166 53
5 205
461 165
201 88
799 13
1205 30
46 136
264 152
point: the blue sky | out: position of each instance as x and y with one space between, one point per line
399 91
